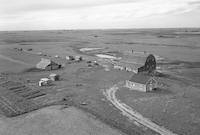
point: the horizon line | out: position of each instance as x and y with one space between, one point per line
87 29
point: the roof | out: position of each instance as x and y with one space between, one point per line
53 75
140 78
44 79
44 63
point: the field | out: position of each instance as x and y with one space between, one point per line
55 120
82 85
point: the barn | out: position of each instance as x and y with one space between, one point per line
149 66
142 82
47 64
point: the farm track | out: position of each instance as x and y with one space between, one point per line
132 114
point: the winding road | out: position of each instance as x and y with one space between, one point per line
132 114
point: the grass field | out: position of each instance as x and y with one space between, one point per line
175 107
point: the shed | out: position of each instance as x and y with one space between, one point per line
142 82
44 82
47 64
78 58
54 77
71 58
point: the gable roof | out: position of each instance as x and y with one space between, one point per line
44 63
140 78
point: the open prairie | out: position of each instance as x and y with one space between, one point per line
83 84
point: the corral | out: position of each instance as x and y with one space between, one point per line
16 98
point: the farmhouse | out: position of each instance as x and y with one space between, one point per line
47 64
141 82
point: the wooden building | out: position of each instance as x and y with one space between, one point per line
149 66
47 64
141 82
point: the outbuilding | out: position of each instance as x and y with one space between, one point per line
47 64
44 82
78 58
71 58
142 82
54 77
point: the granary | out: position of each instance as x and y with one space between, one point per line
142 82
47 64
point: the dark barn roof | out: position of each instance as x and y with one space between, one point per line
150 64
140 78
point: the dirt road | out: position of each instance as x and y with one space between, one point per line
132 114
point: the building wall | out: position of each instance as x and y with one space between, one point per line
48 67
151 84
52 67
135 86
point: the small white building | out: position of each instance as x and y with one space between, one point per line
56 56
70 58
78 58
118 67
141 82
67 58
128 69
44 82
